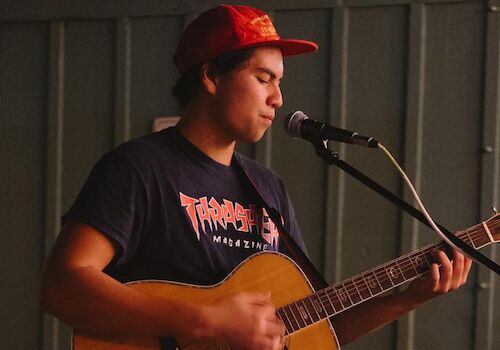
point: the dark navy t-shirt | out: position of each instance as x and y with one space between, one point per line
175 214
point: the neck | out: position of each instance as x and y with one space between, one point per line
199 130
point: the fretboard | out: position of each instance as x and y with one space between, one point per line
366 285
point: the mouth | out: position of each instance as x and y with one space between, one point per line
268 117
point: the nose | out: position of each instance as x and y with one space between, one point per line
275 98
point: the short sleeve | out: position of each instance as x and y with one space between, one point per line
112 202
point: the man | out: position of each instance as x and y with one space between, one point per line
176 205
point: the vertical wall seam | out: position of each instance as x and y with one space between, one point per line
337 109
490 177
413 132
342 147
123 58
54 159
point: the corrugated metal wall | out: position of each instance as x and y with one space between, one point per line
77 77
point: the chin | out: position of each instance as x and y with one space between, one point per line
254 138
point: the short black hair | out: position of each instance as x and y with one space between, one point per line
189 85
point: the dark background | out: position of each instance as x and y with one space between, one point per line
78 77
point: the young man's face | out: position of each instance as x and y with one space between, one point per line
247 98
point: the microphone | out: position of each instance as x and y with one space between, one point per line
298 124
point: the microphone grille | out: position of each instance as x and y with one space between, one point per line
293 121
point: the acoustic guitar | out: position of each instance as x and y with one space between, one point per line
304 312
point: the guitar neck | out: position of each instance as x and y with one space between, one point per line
366 285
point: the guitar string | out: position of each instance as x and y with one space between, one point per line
330 294
327 292
337 303
361 284
475 235
380 273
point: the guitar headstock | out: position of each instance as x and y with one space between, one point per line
493 225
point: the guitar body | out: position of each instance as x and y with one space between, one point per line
309 328
263 272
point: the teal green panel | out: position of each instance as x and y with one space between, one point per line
88 112
23 81
375 105
153 74
88 100
451 151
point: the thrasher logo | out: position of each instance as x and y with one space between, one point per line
208 215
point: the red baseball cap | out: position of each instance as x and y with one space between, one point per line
228 28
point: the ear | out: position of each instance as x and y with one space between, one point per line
208 80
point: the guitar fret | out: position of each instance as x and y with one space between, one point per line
293 319
344 293
313 317
286 321
353 280
355 296
377 279
349 294
467 238
473 243
421 263
386 283
481 240
410 259
363 290
336 301
342 306
408 270
325 302
401 263
488 238
330 302
298 315
395 274
304 311
368 288
372 283
317 307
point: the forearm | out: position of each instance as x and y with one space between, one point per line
88 299
371 315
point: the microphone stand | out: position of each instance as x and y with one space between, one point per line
332 158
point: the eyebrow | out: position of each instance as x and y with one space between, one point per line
268 71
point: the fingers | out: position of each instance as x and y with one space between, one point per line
249 321
278 343
467 268
269 334
458 269
270 326
452 274
446 272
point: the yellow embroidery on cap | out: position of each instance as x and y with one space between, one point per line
259 19
265 25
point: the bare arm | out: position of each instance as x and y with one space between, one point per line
75 289
381 311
